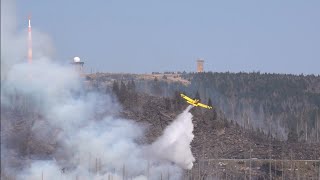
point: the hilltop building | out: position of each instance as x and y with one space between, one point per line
200 65
78 65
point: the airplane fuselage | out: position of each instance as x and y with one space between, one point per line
194 102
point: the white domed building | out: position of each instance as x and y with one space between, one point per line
78 64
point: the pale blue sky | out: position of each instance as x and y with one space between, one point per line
139 36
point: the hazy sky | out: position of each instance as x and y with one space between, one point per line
147 35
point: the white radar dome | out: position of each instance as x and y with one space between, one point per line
76 59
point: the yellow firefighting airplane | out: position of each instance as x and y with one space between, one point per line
195 102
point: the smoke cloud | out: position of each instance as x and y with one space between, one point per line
14 42
53 127
174 144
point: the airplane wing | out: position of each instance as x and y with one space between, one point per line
204 106
187 98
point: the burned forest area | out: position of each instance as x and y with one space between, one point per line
262 126
229 143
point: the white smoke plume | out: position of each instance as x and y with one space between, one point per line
174 144
14 42
78 128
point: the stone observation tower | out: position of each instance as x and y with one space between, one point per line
78 65
200 65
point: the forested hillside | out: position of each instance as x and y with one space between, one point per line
274 103
281 105
247 109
